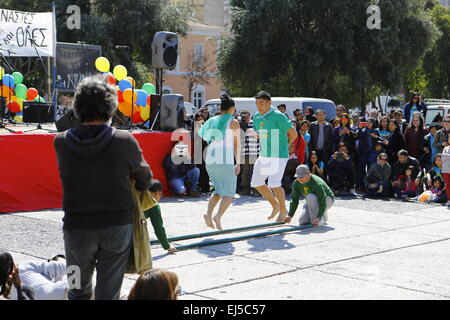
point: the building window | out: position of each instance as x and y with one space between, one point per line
198 52
198 96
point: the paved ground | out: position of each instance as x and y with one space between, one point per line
370 249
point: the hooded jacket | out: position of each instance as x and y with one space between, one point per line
96 163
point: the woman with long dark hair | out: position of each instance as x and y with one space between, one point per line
222 135
395 143
155 284
343 133
415 135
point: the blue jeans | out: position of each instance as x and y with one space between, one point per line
373 192
187 183
107 250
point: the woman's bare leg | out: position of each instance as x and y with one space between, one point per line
224 204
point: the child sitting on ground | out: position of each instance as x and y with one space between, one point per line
409 189
154 214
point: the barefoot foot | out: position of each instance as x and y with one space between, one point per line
208 221
217 221
282 216
275 210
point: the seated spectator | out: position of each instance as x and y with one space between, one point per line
435 171
156 284
377 150
377 179
315 166
407 186
181 173
34 280
154 214
341 175
437 190
429 150
395 143
405 162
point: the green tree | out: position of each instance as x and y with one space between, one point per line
436 64
319 47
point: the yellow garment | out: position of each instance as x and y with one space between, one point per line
140 258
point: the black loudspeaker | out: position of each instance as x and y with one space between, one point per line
165 50
38 112
67 121
172 112
155 99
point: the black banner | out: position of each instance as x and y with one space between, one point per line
73 63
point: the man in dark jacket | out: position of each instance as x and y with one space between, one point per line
399 169
378 176
96 163
181 172
321 136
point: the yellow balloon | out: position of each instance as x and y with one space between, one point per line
102 64
133 82
2 72
145 113
120 72
18 118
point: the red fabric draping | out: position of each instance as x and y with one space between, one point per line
29 177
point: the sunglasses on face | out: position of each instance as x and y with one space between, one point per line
384 159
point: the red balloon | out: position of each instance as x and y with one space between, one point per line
13 106
120 96
32 93
137 117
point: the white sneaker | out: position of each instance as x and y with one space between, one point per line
353 192
448 203
380 189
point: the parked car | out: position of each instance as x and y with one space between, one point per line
190 108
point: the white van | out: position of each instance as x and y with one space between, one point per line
249 104
434 110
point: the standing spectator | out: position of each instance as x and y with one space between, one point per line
282 108
304 127
204 176
309 114
399 171
298 115
344 134
341 174
374 114
412 106
321 136
365 143
383 130
398 115
423 106
441 137
415 135
429 150
315 166
378 177
340 110
296 157
95 164
181 172
355 121
156 284
395 143
446 169
249 153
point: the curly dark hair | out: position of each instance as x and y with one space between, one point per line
95 99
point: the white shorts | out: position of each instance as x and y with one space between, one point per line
272 168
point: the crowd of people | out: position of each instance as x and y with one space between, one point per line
392 155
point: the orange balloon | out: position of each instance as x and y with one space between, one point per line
6 91
127 109
130 96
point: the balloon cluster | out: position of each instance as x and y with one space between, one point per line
134 103
16 93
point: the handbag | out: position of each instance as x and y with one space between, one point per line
140 259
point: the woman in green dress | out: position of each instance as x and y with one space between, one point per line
222 135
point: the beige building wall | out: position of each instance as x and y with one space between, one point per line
204 37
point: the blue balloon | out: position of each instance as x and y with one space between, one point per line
125 84
8 80
141 98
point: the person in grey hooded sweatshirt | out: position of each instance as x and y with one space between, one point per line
377 178
96 163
